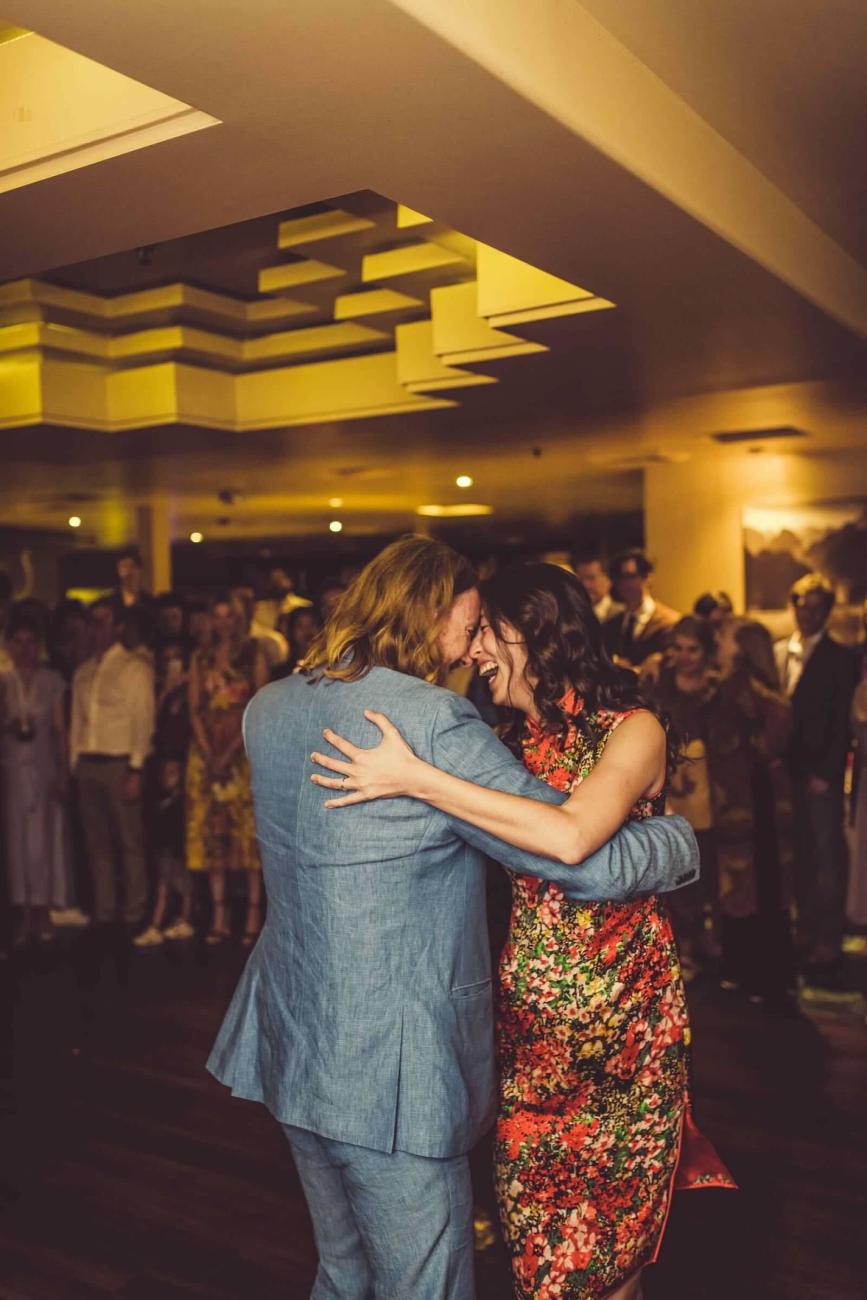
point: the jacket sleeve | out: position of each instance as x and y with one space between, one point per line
838 734
650 857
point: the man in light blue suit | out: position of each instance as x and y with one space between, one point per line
363 1019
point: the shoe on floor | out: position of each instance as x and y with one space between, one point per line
149 938
71 916
180 930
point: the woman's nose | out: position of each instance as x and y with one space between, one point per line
476 646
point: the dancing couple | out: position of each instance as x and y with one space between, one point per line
364 1018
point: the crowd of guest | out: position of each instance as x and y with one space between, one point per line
123 770
766 732
124 777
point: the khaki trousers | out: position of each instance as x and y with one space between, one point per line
113 835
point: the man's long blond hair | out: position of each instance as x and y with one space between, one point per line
392 614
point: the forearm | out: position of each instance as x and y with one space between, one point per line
547 829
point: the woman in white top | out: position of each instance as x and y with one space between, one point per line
34 781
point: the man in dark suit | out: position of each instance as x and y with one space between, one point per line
818 675
642 627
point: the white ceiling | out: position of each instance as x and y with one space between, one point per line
319 100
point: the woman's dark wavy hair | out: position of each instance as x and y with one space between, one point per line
552 612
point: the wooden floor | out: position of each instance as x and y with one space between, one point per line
126 1171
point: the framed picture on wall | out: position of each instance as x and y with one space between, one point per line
782 543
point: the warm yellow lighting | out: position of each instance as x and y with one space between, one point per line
335 502
462 511
196 537
74 521
336 526
464 481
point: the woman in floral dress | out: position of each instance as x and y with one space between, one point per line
594 1128
220 830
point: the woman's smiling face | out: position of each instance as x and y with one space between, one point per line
501 660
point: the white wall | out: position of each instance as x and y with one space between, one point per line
693 511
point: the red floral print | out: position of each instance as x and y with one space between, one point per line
593 1038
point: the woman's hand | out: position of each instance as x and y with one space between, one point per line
380 773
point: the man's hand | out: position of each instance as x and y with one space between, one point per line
818 785
130 791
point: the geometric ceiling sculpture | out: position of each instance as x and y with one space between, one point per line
61 111
358 316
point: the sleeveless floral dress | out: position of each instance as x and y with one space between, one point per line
594 1129
220 828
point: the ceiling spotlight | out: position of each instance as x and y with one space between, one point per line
461 510
464 481
335 502
196 537
74 521
336 526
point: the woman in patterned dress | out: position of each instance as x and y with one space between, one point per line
220 831
594 1128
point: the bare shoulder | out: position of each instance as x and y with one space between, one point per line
640 734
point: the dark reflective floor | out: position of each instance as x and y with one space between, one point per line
127 1172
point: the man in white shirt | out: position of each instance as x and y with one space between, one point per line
590 572
110 736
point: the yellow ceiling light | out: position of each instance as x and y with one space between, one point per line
464 481
335 526
464 510
74 521
335 502
196 538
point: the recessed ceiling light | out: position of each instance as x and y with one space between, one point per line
336 526
464 481
758 435
196 537
335 502
463 511
74 521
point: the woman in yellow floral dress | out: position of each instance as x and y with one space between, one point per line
594 1128
221 835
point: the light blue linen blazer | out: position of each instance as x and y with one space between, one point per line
364 1012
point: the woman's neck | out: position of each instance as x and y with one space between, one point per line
690 681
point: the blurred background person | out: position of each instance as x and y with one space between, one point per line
110 738
300 627
591 573
69 638
749 729
327 597
34 772
280 597
683 690
174 883
856 908
270 639
220 832
818 675
171 619
715 606
643 626
129 592
198 623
